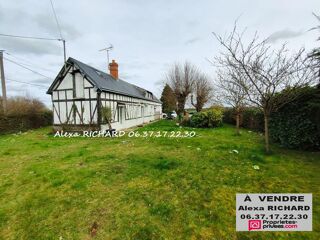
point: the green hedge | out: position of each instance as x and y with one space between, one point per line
229 116
251 118
23 122
297 124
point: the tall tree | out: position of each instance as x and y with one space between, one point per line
181 79
266 71
168 99
202 91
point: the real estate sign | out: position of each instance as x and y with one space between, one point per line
274 212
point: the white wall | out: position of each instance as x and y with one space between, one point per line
64 92
135 111
129 123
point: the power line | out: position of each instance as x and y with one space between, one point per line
27 62
43 38
33 84
56 18
30 37
21 65
59 29
40 38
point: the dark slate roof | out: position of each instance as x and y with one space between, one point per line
105 82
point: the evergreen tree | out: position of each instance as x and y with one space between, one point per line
168 99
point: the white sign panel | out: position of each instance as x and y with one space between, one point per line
274 212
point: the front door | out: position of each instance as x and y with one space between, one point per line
121 114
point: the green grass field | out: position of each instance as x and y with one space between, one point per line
144 188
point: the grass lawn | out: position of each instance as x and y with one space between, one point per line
144 188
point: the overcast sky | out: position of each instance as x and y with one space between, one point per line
148 36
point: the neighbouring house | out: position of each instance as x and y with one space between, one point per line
80 92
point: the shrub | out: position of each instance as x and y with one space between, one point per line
106 113
297 124
207 119
252 118
23 114
229 116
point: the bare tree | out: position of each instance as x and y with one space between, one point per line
181 79
231 91
315 54
202 91
267 72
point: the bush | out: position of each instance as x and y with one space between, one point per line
207 119
23 114
251 118
229 116
297 124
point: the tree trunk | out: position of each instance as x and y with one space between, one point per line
266 132
238 123
180 108
109 125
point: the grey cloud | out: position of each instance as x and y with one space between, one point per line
192 23
192 40
125 75
29 46
147 40
160 82
17 91
42 81
48 24
133 64
9 15
1 14
284 34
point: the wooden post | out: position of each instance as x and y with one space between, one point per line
99 109
3 84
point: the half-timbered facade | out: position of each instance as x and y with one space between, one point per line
80 92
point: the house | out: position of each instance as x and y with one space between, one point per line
80 92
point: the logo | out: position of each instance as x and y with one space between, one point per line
254 224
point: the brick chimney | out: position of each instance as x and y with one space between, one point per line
114 69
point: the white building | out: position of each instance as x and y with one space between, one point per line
79 93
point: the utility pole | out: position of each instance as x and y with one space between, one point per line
64 53
64 50
3 83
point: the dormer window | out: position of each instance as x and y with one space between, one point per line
148 95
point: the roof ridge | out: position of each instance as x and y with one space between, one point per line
107 82
109 74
